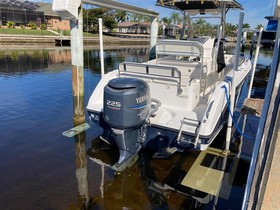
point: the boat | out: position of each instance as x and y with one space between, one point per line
269 35
178 99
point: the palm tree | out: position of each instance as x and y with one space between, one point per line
166 20
229 28
186 22
122 16
138 18
200 23
259 26
246 25
175 17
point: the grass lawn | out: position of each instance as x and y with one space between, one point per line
17 31
38 32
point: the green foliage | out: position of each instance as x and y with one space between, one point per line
91 19
121 16
22 27
166 20
250 35
259 26
10 24
202 28
139 18
32 25
230 29
246 25
175 18
43 27
25 31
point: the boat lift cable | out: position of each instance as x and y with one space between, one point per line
231 115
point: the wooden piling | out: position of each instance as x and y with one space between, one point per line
77 55
78 94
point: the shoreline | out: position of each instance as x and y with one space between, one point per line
8 40
53 47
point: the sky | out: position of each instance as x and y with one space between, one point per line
255 10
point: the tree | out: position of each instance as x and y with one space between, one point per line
246 25
175 18
122 16
138 18
91 19
186 21
259 26
166 20
229 28
200 23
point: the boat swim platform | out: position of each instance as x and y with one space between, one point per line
206 177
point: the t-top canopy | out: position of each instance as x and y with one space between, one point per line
199 6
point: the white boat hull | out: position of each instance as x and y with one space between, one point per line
193 105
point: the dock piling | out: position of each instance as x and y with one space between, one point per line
232 92
78 67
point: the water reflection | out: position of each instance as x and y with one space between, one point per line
83 200
27 61
161 183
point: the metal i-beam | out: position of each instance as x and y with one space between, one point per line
133 9
121 6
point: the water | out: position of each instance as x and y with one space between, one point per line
41 169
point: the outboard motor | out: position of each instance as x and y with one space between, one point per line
127 107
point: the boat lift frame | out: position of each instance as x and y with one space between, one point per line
73 10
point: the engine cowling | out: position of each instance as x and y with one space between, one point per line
127 103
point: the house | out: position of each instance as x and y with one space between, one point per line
20 12
52 19
169 30
134 28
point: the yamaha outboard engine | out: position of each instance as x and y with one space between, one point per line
127 107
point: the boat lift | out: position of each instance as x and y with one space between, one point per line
72 10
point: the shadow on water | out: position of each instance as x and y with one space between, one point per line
158 183
41 169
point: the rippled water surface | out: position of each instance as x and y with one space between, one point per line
42 169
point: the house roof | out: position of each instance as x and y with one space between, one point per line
131 24
46 8
179 26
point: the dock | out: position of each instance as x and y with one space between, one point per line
262 188
271 198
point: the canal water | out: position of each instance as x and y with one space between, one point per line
42 169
